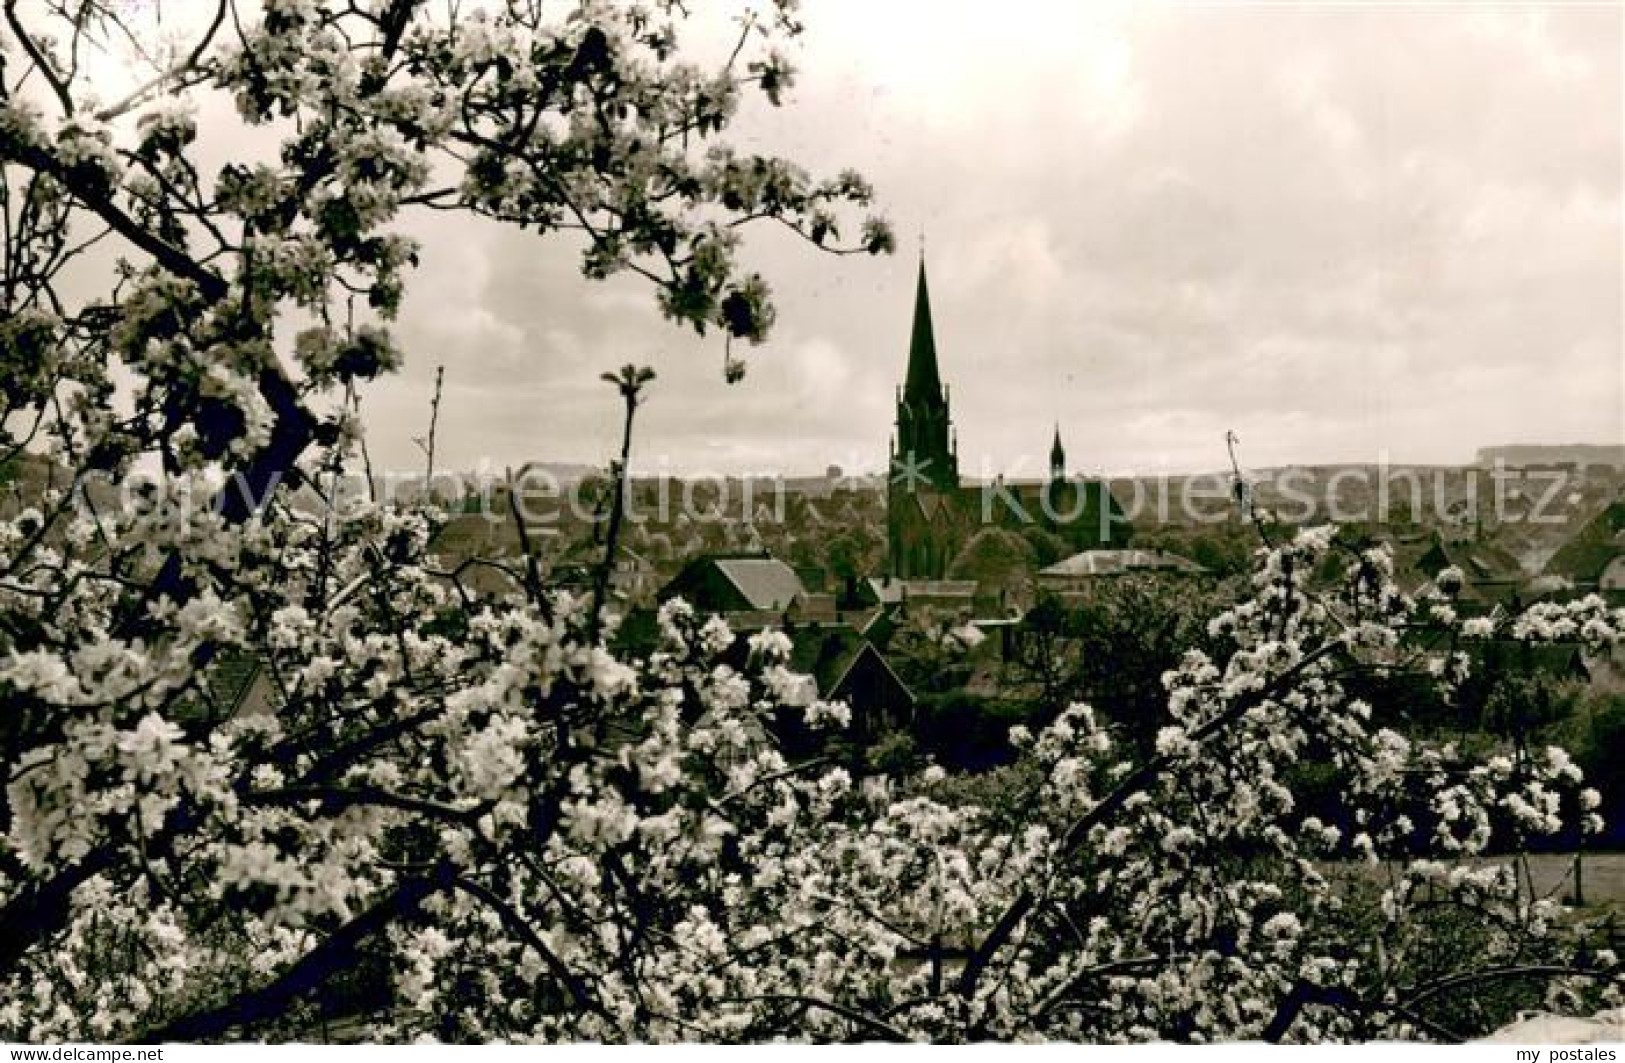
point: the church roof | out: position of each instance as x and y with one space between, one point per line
924 383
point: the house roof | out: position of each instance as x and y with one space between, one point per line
825 653
227 681
230 676
812 606
880 626
1478 561
766 583
994 556
464 535
1598 542
889 590
589 551
1115 562
829 652
735 584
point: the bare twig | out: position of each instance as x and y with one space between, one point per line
427 443
629 382
571 981
869 1023
533 572
354 397
174 73
1244 498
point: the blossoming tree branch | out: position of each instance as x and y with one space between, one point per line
467 809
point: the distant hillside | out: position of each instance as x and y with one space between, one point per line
565 472
1552 453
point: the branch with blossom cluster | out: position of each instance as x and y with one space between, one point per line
551 842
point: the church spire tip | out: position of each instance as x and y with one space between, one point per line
924 382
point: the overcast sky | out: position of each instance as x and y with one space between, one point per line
1339 230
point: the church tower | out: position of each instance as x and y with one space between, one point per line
931 519
923 498
925 451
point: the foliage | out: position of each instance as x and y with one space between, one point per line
1223 548
851 553
929 650
896 753
1112 645
967 732
997 559
1048 547
1598 730
590 124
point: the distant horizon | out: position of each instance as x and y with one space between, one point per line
643 470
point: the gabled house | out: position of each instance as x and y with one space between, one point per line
847 667
1491 577
1559 660
880 590
1072 572
1594 558
480 551
950 596
748 590
632 579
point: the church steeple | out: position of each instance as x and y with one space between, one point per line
1057 456
924 453
924 384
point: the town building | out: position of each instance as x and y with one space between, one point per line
1082 569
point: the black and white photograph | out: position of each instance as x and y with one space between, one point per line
827 522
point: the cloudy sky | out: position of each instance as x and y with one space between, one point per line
1339 230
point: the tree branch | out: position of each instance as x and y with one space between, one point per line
40 61
310 971
884 1030
571 981
346 797
1139 780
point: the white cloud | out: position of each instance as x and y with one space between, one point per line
1334 229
